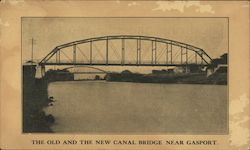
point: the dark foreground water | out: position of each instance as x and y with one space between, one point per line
127 108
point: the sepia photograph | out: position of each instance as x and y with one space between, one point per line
125 75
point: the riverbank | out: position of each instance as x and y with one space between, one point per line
182 78
35 99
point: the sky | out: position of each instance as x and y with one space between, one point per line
210 34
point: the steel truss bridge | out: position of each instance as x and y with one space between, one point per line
119 50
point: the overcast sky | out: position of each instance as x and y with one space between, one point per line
210 34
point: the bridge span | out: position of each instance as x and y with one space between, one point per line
126 50
160 52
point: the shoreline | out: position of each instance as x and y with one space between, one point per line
195 78
167 78
35 99
103 81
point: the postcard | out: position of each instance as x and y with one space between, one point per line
124 74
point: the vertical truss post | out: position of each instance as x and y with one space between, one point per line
56 60
32 52
59 56
107 51
171 52
74 54
152 55
155 52
123 51
186 56
139 50
166 53
181 54
186 60
56 57
195 55
138 59
201 58
90 52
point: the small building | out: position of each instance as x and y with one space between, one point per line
221 68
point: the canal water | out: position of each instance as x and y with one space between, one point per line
137 108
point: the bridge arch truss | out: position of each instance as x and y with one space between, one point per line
185 51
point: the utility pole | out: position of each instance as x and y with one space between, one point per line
32 49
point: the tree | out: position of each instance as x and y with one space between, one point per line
97 77
224 58
221 60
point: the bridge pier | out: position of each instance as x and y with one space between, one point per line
40 71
